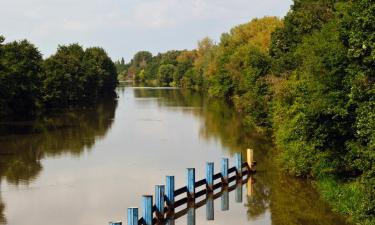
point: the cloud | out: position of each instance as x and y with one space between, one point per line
126 26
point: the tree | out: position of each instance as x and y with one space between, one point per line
20 74
165 74
64 75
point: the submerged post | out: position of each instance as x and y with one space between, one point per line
191 216
250 157
115 223
159 199
238 163
132 216
147 209
190 183
210 207
238 196
169 192
225 200
224 170
210 176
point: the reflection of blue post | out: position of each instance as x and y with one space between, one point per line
238 163
147 209
170 221
210 207
210 175
115 223
225 200
132 216
191 216
159 199
191 183
238 192
170 192
224 170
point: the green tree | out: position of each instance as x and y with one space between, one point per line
64 76
20 74
165 74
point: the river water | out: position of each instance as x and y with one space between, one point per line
87 166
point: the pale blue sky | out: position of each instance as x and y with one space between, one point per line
124 27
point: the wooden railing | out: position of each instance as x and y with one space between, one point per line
166 203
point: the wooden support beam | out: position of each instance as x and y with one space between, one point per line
250 157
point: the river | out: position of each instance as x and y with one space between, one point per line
87 166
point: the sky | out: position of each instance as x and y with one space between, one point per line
124 27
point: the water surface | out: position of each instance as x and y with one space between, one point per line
87 166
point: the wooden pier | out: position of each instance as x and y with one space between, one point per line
163 211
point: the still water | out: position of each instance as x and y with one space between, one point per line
87 166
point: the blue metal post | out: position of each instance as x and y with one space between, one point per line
238 163
224 169
159 199
210 176
170 192
191 183
132 216
147 209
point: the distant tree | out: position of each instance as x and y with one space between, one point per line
165 74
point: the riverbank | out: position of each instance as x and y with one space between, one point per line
308 78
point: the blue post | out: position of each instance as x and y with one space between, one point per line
159 199
132 216
224 170
238 163
147 209
210 176
170 192
191 183
115 223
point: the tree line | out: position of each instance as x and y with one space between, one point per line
308 78
72 76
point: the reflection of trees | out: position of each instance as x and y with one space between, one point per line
24 144
291 201
2 217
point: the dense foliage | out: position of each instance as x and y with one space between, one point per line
309 79
20 77
71 76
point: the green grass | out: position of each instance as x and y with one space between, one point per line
346 198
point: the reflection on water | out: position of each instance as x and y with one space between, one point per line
78 172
